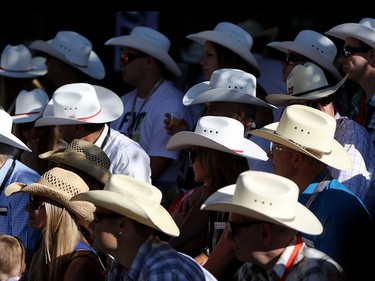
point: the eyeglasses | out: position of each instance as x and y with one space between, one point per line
126 58
275 148
26 126
98 217
292 59
348 51
233 228
193 154
35 203
324 101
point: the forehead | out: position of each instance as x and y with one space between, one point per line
353 42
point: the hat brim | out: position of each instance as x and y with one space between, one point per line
201 93
154 216
227 42
308 52
26 118
222 200
146 47
187 139
338 158
12 140
94 68
38 68
111 108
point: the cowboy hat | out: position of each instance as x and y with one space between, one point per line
73 49
226 85
315 46
84 156
81 103
149 41
363 31
59 185
17 62
134 199
220 133
30 105
265 197
305 82
309 131
6 135
256 30
230 36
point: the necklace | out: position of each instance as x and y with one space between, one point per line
134 116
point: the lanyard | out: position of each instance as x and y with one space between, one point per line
318 188
292 257
7 176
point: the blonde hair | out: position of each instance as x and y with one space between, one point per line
12 258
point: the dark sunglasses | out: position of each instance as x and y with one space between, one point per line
126 58
98 217
193 154
292 59
323 101
35 203
348 51
26 126
234 227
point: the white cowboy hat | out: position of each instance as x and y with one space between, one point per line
305 82
226 85
59 185
149 41
315 46
256 30
30 105
73 49
230 36
17 62
6 135
363 31
220 133
265 197
134 199
309 131
81 103
84 156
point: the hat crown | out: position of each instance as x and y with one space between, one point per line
16 58
307 127
73 46
306 78
236 33
6 123
368 22
318 42
153 36
33 101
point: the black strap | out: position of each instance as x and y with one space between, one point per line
7 176
106 138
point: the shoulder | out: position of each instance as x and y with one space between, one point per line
84 265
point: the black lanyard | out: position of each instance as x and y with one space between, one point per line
7 176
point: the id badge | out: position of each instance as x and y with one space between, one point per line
3 211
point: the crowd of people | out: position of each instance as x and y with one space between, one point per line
252 159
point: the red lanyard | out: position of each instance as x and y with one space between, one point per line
292 257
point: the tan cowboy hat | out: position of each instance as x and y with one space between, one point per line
220 133
30 105
80 103
305 82
134 199
73 49
6 135
315 46
230 36
149 41
309 131
265 197
84 156
226 85
363 31
59 185
17 62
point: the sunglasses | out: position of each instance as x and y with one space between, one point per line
35 203
126 58
292 59
233 228
98 217
274 148
348 51
193 154
323 101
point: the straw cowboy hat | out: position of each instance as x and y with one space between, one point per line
220 133
73 49
6 135
309 131
315 46
17 62
363 31
81 103
226 85
230 36
134 199
151 42
305 82
30 105
84 156
265 197
256 30
59 185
